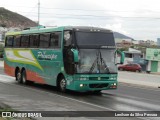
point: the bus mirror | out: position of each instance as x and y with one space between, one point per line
122 56
75 55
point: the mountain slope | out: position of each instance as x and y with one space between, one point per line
11 19
121 36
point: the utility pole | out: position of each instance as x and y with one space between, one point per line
38 13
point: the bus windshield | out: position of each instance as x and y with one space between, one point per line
94 39
97 61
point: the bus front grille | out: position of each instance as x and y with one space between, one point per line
98 78
98 85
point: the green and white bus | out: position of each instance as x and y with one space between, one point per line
71 57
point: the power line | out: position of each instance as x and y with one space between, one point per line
104 10
88 15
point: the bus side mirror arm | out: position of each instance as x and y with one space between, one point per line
122 56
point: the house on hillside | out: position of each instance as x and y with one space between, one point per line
123 42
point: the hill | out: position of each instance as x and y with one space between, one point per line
121 36
12 19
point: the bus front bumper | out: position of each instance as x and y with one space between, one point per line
91 85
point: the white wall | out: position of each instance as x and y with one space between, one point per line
159 66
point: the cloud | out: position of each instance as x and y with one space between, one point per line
117 27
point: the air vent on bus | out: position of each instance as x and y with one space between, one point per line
98 85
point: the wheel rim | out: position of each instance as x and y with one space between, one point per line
24 78
63 84
19 77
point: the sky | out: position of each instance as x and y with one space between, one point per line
139 19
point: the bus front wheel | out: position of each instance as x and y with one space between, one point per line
62 84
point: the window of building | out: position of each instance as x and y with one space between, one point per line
9 41
17 41
25 41
34 40
55 40
44 40
128 55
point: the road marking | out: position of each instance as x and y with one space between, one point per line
53 94
60 95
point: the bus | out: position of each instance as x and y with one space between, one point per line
77 58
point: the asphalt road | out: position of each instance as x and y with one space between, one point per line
127 97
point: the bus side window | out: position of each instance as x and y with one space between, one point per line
44 40
17 40
34 40
55 40
25 41
9 41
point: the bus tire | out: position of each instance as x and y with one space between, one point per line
62 84
18 76
24 81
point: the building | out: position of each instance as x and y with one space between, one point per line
123 42
153 57
147 42
132 55
135 42
0 37
158 41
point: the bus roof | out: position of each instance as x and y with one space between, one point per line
42 30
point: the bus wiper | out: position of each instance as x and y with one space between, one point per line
100 62
103 62
94 63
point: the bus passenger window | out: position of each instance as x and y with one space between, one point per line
9 41
44 40
25 41
17 40
55 40
34 40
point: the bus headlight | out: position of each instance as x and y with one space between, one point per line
81 85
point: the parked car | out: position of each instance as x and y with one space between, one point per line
130 67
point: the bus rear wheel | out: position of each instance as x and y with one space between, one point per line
24 81
19 76
62 84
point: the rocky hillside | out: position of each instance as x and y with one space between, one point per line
11 19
